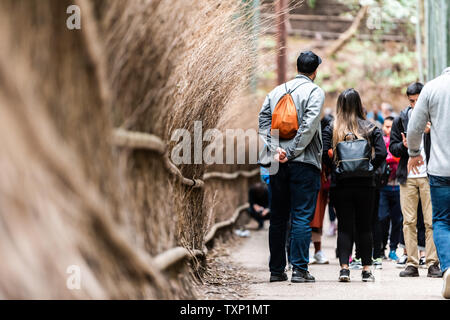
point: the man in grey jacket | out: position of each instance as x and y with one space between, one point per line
296 184
434 105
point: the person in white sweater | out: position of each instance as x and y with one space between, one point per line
434 106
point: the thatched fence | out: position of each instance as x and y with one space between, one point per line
80 185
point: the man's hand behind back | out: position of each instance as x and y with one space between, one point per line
281 156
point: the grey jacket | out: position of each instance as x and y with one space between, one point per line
309 98
433 105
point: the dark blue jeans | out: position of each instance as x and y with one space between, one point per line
440 200
390 209
294 193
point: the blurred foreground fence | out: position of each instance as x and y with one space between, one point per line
145 141
69 196
172 257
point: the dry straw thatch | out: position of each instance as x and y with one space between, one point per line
67 195
172 63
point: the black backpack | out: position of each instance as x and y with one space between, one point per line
354 158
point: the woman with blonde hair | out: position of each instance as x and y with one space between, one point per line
354 148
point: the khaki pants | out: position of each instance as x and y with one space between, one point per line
410 192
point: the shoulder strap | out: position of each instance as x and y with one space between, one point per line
350 134
292 91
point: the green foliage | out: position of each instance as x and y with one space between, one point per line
268 75
268 43
312 3
387 13
342 67
360 62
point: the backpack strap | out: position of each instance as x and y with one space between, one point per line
350 134
292 91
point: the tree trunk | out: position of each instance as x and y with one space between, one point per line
282 15
346 36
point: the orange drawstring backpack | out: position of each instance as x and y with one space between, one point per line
285 117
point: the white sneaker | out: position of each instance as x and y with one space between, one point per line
319 258
423 263
446 287
401 263
242 233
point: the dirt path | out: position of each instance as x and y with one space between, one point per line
252 258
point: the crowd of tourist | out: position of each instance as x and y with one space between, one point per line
384 177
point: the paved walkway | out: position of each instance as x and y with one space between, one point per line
253 256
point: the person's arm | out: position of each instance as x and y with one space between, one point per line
417 124
265 125
327 138
253 200
309 125
396 146
380 148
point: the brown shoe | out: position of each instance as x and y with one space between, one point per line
434 272
410 271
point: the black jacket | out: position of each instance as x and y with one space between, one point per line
397 148
326 121
259 194
375 138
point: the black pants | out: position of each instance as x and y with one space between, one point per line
390 215
377 228
385 230
354 209
377 249
257 215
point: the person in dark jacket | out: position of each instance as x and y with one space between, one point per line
398 134
398 149
258 198
414 187
354 198
322 201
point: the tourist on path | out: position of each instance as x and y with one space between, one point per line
414 187
434 106
296 184
353 185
